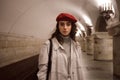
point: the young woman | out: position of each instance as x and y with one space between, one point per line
66 63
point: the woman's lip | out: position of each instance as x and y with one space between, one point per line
65 31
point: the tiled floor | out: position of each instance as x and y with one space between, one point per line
96 70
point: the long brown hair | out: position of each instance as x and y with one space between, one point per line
58 36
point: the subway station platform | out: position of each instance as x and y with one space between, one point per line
96 70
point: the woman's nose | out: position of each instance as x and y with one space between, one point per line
65 26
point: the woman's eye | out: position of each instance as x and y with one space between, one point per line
65 24
62 24
68 24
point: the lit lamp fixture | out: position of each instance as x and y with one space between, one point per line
106 9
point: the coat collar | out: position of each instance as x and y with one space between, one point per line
57 45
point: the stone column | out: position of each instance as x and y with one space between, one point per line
89 45
116 56
82 41
114 31
103 49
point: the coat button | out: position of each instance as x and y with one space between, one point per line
69 77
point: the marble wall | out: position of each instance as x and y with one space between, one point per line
14 48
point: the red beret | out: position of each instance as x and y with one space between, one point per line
66 17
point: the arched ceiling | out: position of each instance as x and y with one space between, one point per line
37 17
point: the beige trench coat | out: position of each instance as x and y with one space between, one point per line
59 62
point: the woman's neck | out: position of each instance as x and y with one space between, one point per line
66 39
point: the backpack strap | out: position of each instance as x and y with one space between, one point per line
49 60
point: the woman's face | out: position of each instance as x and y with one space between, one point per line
65 27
